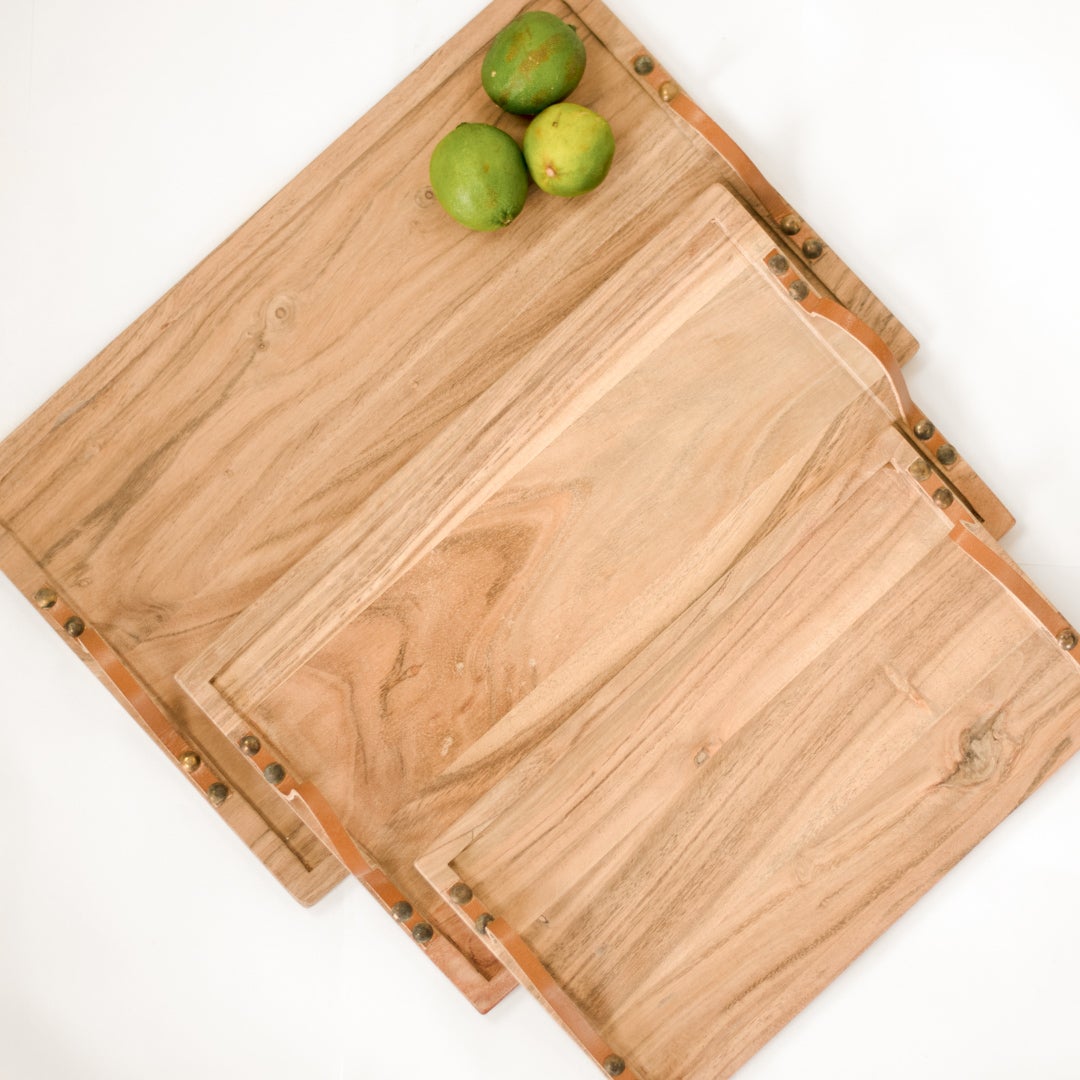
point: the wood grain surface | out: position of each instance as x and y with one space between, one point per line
469 579
273 390
770 782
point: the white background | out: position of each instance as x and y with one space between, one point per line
933 144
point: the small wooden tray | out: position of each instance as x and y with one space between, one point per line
708 839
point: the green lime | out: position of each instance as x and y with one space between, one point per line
478 175
568 149
533 62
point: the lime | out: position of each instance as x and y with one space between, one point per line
478 175
568 149
533 62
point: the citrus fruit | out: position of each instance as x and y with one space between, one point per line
568 149
533 62
479 177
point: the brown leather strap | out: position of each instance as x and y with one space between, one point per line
964 480
776 206
558 1000
312 807
513 949
129 690
1015 582
309 803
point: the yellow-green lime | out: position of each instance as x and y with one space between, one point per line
568 149
533 62
478 175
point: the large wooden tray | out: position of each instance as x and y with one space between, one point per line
274 389
251 415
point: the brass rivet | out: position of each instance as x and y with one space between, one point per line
668 91
943 497
190 761
778 264
946 454
644 65
614 1065
790 225
45 598
274 773
402 911
75 626
919 468
813 248
923 429
423 933
1067 639
250 745
217 793
460 893
799 290
483 922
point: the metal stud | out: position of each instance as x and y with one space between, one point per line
614 1065
75 626
483 922
217 793
189 761
923 429
943 497
274 773
790 225
669 91
250 745
423 933
813 248
402 911
1067 639
799 290
644 65
460 893
946 454
919 468
778 264
45 598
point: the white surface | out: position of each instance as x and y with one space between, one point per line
933 144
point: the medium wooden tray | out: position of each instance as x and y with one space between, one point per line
623 460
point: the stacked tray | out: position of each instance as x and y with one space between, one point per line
609 608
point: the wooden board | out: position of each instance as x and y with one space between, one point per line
276 387
713 832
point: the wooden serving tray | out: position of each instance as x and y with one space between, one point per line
704 842
241 430
262 400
